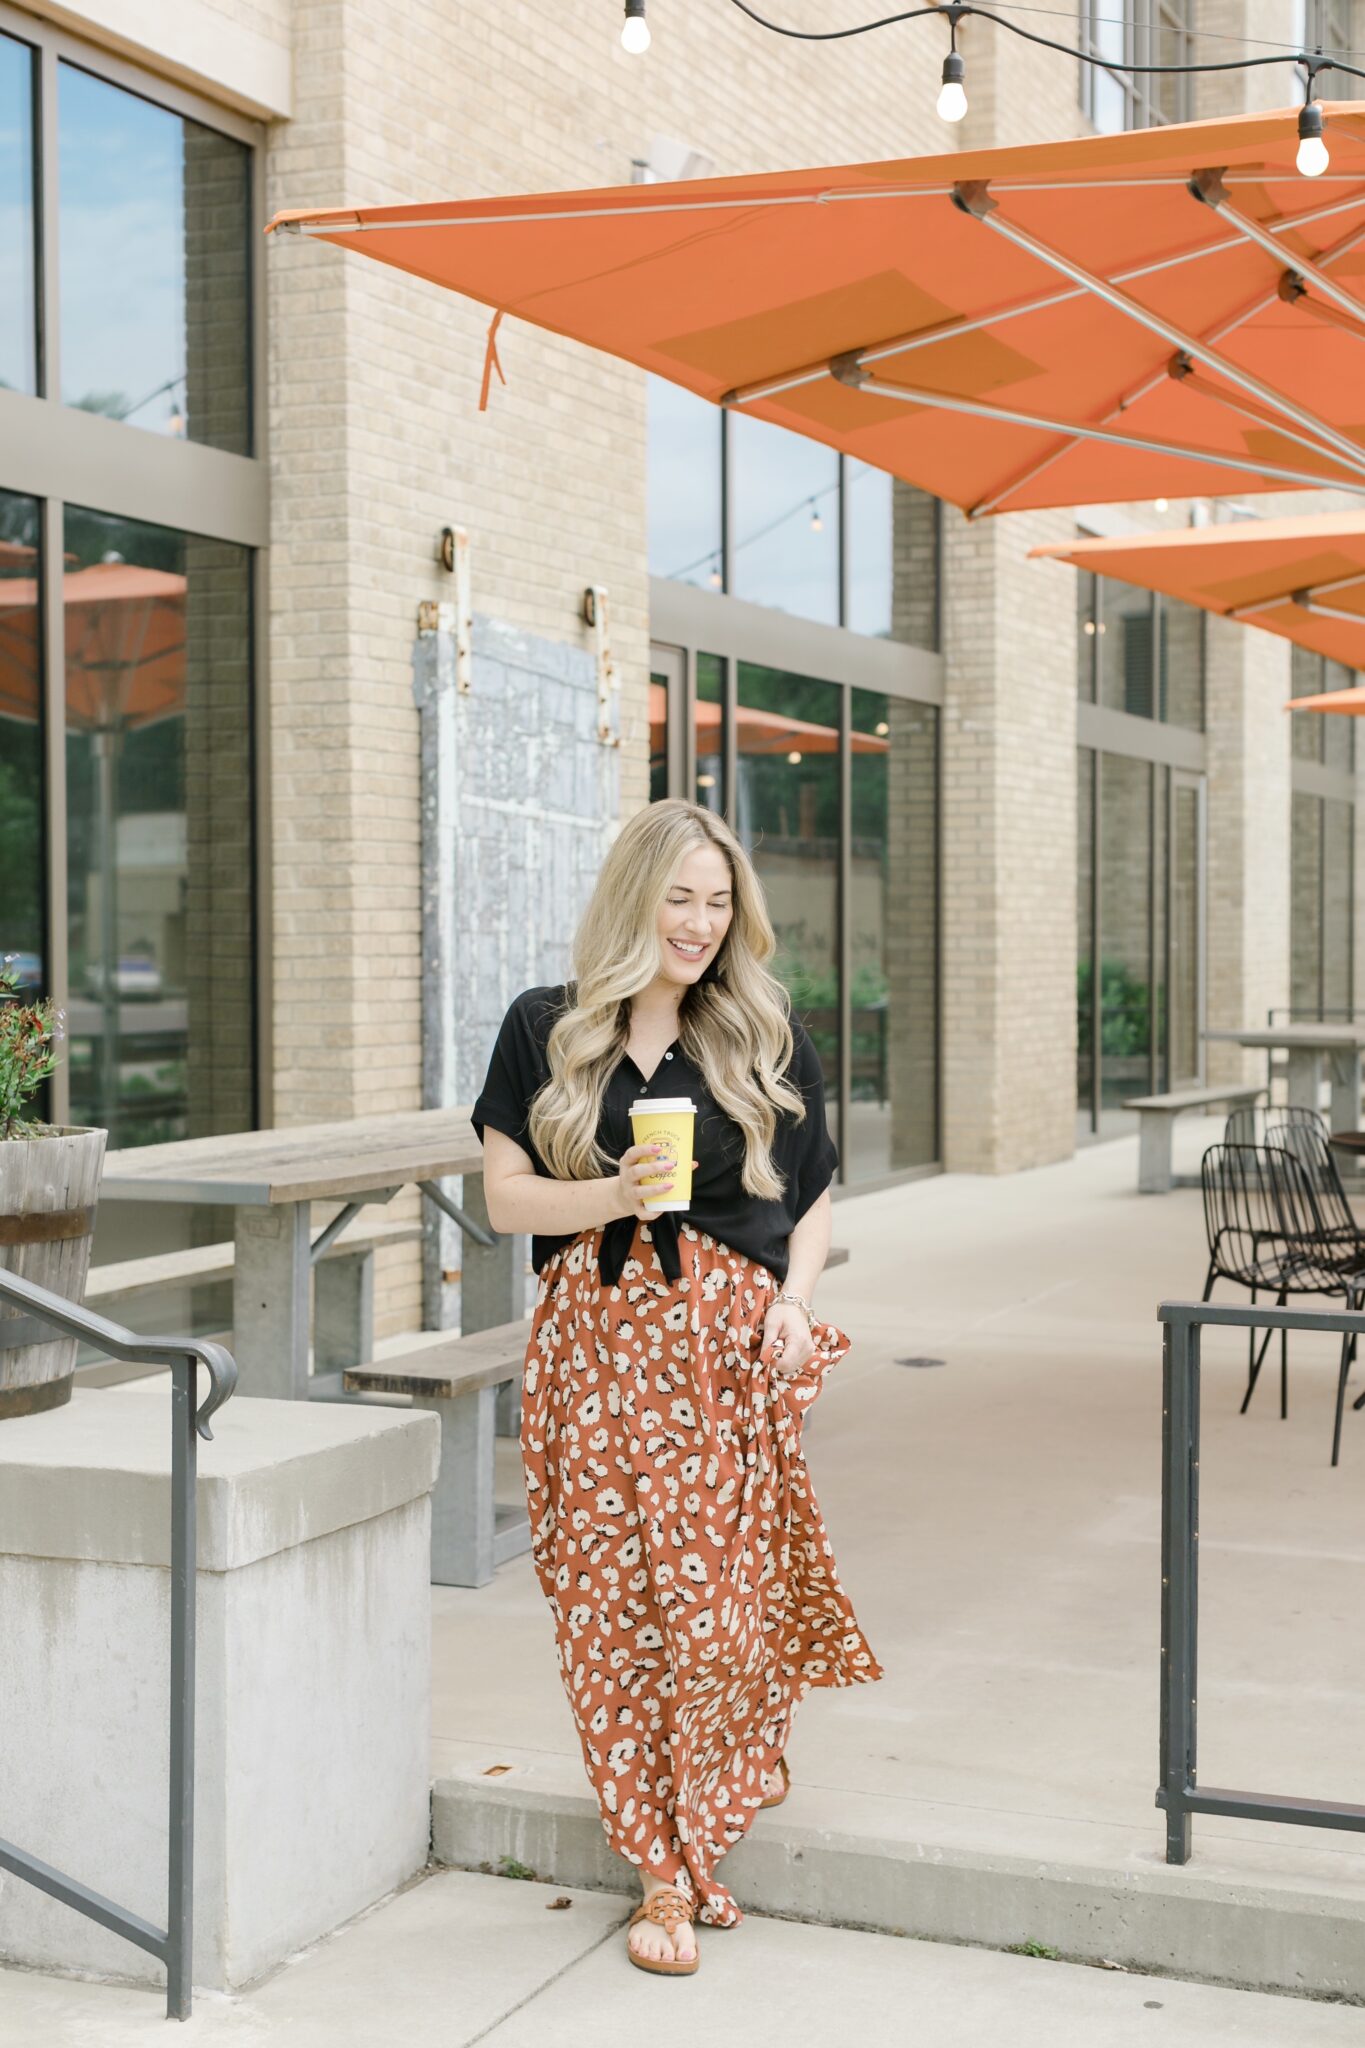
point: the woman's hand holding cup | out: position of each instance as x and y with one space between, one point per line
638 1167
637 1164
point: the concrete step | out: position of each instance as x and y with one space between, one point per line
835 1861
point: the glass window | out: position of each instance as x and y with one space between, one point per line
1124 631
1322 907
21 742
1121 33
785 548
710 789
1125 885
893 936
1183 1044
1338 734
684 486
787 816
18 268
658 736
159 830
1139 653
869 520
155 240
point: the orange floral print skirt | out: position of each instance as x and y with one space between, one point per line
678 1542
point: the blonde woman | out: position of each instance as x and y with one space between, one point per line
674 1530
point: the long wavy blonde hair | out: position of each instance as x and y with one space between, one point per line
734 1024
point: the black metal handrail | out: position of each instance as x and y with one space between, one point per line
1178 1792
172 1945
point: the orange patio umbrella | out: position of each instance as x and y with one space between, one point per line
1170 311
1301 578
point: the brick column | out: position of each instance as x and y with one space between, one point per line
1009 847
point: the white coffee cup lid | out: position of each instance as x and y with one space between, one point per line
664 1105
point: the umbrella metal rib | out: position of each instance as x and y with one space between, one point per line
1210 189
1218 332
977 202
976 408
1306 593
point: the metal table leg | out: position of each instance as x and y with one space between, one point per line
270 1301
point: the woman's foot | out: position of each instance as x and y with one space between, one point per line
650 1940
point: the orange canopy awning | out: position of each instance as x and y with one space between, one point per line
1171 311
759 732
1302 578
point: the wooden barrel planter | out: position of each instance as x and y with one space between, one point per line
48 1190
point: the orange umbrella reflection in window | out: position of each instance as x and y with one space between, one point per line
125 668
757 732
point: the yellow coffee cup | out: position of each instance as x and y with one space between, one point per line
667 1121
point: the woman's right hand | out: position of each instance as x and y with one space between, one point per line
636 1166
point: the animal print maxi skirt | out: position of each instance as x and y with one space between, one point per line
678 1541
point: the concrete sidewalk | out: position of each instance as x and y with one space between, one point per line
458 1959
997 1522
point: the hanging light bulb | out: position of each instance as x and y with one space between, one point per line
952 98
817 524
794 758
1312 159
1161 504
635 32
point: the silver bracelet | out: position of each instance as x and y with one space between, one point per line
801 1302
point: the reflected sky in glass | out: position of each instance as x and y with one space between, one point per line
684 486
868 512
786 508
153 226
17 270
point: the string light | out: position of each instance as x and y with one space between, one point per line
817 524
794 759
1312 159
952 98
635 29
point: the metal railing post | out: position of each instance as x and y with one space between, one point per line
183 1355
1179 1581
184 1583
1178 1791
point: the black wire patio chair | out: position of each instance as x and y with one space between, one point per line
1266 1232
1253 1121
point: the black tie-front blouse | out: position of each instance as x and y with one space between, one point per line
803 1153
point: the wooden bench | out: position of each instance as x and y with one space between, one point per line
1157 1115
343 1285
458 1379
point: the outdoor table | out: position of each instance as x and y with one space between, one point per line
1306 1046
270 1178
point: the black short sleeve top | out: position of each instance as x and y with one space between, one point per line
803 1153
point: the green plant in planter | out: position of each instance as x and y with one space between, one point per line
30 1035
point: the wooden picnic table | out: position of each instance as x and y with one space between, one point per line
1306 1047
271 1178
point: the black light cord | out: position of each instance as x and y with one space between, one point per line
958 10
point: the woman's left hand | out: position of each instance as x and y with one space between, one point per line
787 1342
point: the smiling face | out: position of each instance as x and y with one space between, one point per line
695 916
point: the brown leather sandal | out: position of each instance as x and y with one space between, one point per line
668 1909
785 1775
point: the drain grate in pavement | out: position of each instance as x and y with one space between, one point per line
922 1362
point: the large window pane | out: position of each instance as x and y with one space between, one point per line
684 486
785 550
893 936
21 742
710 733
788 819
1125 882
18 274
155 238
159 849
1338 733
1183 1044
1305 672
1124 630
1338 902
869 519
